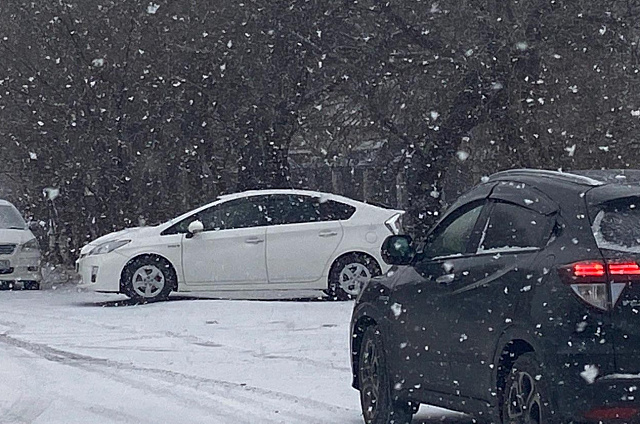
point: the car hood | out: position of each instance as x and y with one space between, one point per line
127 233
15 236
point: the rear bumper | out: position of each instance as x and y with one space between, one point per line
584 398
610 400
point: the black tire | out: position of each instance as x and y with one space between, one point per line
356 265
148 279
526 398
31 285
379 405
5 285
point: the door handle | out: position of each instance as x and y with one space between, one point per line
446 279
254 240
328 233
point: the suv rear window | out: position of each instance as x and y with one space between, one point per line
617 226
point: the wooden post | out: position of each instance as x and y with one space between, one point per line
336 180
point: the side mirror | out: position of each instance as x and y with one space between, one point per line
398 250
194 228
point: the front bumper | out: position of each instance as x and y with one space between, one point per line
23 266
101 273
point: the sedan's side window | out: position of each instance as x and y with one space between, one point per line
292 209
452 238
514 227
239 213
330 210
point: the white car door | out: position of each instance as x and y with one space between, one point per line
299 243
231 249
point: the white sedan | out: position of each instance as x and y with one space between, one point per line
255 240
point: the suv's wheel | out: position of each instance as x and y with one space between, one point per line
376 400
526 400
148 278
347 274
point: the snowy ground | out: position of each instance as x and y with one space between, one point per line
76 357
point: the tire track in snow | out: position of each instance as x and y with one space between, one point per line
236 401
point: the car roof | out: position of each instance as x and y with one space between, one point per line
529 175
600 185
310 193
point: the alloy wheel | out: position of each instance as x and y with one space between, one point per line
351 277
370 383
524 405
148 281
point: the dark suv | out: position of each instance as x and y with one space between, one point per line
522 306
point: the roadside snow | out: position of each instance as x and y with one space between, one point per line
71 357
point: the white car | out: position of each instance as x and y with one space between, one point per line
255 240
19 251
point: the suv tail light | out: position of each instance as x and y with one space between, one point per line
600 283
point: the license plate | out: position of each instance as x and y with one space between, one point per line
4 264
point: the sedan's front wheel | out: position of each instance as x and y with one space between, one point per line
148 278
377 402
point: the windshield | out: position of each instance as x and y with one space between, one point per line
10 218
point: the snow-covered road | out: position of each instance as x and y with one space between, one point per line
76 357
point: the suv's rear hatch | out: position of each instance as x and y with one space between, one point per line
615 220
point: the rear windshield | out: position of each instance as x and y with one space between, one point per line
617 226
10 218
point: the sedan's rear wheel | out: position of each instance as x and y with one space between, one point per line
376 400
148 278
349 273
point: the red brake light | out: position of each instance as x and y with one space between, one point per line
624 268
611 413
600 283
588 269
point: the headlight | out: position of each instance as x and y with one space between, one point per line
107 247
30 246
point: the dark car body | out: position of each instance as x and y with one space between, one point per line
532 269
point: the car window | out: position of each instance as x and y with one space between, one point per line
11 218
239 213
452 238
293 209
514 227
617 226
330 210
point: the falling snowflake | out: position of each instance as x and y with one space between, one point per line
590 373
152 8
570 150
462 155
